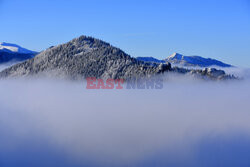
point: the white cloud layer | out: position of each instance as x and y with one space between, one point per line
59 123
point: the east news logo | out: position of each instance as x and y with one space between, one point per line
134 83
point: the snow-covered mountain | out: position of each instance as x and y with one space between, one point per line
8 47
10 53
177 59
85 57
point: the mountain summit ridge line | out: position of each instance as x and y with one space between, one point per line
86 56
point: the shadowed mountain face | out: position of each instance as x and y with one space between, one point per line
6 57
84 57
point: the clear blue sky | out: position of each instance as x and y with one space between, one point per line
209 28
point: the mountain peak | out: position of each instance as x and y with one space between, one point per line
87 40
175 56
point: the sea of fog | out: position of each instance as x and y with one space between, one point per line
189 123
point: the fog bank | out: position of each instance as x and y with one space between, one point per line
59 123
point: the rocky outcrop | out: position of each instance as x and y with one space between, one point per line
164 67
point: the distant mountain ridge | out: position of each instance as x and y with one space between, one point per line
150 59
179 59
8 47
14 53
187 61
